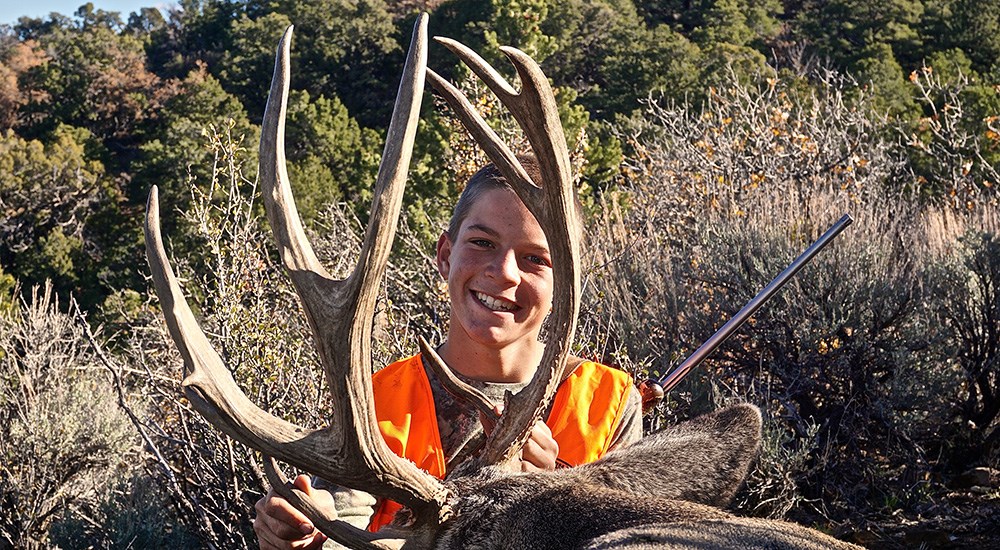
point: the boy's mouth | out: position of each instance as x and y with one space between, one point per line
495 304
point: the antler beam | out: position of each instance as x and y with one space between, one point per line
351 451
340 313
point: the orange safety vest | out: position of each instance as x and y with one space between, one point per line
586 411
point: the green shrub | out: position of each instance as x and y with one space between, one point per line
63 438
861 359
131 514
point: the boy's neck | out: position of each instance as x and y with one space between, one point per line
510 364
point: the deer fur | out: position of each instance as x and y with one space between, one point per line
664 491
680 472
733 532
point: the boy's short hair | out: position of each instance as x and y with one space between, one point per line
488 178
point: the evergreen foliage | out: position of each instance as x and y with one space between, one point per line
146 85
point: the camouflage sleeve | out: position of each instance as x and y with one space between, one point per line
353 506
630 428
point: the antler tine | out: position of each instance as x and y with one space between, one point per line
552 202
293 246
208 384
389 184
537 113
454 385
495 148
483 70
534 108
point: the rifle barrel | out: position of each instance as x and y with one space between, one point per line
670 381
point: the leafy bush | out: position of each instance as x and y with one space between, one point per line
965 284
846 360
63 439
132 513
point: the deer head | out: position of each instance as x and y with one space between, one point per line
481 504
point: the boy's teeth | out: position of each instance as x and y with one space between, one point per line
493 303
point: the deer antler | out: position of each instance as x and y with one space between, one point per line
351 451
551 201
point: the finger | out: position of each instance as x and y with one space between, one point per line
541 428
267 539
319 498
303 483
541 450
542 436
311 542
263 536
537 457
279 530
281 519
526 462
532 457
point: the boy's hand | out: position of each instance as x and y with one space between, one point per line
280 526
539 453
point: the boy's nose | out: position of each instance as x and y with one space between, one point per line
505 268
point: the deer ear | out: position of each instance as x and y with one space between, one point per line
703 460
715 451
444 255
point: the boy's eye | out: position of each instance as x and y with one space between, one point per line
537 260
481 243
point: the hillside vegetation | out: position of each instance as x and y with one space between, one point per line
714 140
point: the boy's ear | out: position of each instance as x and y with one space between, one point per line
444 254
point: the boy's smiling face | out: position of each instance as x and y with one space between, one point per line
499 273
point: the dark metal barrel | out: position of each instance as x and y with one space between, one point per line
652 388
